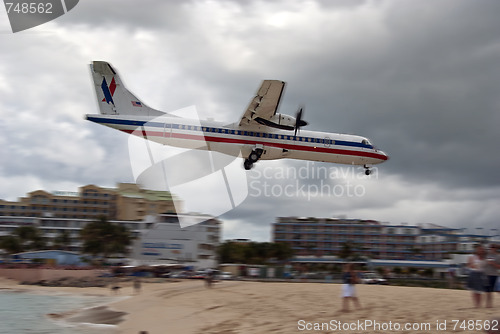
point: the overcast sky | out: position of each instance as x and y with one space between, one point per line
421 79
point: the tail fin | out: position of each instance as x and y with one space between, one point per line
112 95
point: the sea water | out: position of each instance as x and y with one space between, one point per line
26 313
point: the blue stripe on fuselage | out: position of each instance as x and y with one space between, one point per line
244 133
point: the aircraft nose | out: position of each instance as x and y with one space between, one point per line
386 156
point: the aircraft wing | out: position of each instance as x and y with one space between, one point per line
265 103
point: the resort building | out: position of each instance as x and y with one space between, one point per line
149 215
126 202
309 236
165 242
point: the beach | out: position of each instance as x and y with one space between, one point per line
255 307
230 307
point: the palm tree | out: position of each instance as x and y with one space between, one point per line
103 238
253 252
63 240
30 237
231 252
11 244
347 250
282 251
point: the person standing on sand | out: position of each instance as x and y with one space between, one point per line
349 280
476 281
491 271
209 278
137 285
452 270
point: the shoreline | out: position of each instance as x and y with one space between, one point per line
100 314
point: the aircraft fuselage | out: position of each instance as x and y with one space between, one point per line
236 140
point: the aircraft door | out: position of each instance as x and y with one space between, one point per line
327 141
167 130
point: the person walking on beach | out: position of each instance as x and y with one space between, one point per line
476 281
349 280
137 285
452 270
209 278
491 271
115 286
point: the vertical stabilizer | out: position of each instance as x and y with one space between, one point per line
113 97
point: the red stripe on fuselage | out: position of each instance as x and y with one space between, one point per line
143 133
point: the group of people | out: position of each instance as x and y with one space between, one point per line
483 268
483 265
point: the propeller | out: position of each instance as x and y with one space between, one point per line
299 122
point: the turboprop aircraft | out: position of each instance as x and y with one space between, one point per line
260 134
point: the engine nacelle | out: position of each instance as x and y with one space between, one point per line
279 121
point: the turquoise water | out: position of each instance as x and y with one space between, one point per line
22 313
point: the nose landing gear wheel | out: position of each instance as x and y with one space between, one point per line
367 170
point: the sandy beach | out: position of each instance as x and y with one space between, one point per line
253 307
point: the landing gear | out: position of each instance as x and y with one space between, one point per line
247 164
252 158
367 170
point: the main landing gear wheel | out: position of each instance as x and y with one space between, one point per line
253 158
247 164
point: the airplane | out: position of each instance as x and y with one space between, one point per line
261 134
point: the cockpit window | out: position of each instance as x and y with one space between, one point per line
366 142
